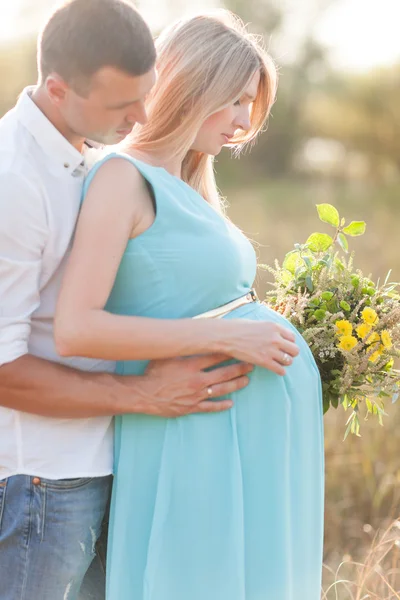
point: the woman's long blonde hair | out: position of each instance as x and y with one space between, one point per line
204 64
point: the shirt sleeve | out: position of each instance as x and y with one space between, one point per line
23 235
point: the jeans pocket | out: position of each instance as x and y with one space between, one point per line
66 484
3 487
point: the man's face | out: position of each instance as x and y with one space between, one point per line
114 104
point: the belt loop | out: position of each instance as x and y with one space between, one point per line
254 295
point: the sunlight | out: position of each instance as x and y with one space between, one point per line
359 34
362 34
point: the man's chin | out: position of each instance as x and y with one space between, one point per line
109 140
114 140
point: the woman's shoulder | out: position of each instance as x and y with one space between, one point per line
98 159
112 166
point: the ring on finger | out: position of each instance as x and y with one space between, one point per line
286 360
209 392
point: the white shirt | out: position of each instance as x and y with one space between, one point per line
41 177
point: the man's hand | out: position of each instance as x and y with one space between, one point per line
181 386
169 388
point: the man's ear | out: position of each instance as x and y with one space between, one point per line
56 88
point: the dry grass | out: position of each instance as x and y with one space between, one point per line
362 530
377 578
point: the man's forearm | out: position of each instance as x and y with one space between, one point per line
33 385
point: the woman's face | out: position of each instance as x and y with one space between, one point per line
220 127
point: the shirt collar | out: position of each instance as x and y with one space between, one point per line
52 142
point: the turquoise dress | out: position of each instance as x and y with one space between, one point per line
225 506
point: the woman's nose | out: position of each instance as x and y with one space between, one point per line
243 121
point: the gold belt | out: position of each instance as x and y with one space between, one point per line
217 313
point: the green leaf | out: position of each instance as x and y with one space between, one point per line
292 261
332 306
321 263
335 401
355 228
285 277
319 314
339 265
319 242
347 430
343 242
309 284
307 261
326 296
328 214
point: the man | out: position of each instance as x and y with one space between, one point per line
96 64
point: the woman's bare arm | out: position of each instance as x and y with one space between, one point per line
115 209
116 205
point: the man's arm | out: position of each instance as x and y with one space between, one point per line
169 388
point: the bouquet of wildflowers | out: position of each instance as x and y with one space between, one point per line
351 325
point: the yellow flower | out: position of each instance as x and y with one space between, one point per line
375 355
374 338
386 339
363 330
344 328
369 316
347 342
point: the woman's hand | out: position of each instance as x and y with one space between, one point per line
267 345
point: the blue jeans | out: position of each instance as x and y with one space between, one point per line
48 535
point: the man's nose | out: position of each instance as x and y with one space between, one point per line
139 115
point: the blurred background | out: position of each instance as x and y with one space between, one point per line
334 136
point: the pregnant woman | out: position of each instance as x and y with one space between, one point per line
224 506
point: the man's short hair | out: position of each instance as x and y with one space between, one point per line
82 36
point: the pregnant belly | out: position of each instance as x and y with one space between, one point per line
302 379
260 312
254 312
